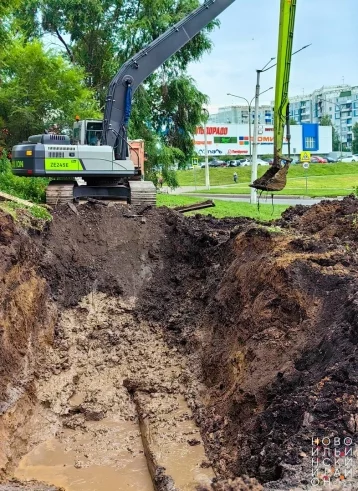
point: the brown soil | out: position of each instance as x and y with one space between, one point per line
264 318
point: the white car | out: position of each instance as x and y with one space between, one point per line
262 162
353 158
244 163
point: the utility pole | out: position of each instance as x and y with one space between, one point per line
250 107
207 175
253 192
253 195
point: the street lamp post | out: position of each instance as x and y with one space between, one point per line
340 122
253 195
205 113
249 106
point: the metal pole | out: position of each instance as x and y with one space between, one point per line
253 195
340 129
207 175
250 131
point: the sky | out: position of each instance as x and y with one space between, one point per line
247 39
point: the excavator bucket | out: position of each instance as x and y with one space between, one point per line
273 180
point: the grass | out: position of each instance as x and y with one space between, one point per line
316 186
323 179
225 209
13 208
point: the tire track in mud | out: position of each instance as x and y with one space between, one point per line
105 367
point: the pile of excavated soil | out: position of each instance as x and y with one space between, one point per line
264 318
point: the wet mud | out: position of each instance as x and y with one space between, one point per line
217 346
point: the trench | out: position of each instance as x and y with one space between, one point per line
249 331
115 417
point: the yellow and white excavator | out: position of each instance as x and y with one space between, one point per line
275 178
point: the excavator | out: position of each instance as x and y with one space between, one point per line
100 153
275 178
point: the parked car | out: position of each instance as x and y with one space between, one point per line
331 161
244 163
318 160
216 163
352 158
262 162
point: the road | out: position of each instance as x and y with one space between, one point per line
245 198
285 200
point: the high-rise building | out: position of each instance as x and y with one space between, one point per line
240 115
339 102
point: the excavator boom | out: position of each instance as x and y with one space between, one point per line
144 63
275 178
285 41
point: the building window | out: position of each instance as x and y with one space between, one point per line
310 142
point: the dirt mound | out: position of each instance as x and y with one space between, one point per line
265 317
327 219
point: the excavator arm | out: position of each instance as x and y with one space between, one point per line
143 64
275 178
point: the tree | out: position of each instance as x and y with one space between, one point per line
336 142
293 122
355 139
40 88
325 120
100 35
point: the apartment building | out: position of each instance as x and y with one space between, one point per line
240 115
339 102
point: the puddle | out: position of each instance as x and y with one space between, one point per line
107 457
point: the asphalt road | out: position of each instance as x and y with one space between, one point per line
245 198
285 200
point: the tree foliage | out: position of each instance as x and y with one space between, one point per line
325 120
293 122
336 142
39 88
355 139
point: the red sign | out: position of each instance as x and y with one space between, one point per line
212 130
237 152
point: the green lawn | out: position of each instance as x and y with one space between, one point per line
316 186
323 179
225 209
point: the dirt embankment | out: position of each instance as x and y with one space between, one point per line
265 319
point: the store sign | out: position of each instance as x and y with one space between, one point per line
213 130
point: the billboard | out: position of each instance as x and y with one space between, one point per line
233 139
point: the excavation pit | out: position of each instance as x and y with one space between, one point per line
219 347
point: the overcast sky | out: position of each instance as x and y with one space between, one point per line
247 39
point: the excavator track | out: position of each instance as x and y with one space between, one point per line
142 193
62 192
59 192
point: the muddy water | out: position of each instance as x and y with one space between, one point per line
81 463
85 432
